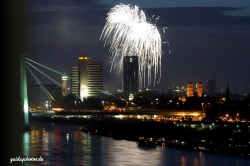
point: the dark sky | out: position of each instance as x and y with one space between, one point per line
208 39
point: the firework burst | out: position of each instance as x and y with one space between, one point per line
130 33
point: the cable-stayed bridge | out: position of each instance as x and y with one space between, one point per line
30 65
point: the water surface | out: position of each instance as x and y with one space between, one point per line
50 141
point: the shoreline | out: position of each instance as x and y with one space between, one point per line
223 141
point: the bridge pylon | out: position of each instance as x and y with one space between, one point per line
24 93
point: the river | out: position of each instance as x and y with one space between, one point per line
49 141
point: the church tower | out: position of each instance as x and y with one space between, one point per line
227 94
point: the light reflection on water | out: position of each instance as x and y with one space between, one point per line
50 141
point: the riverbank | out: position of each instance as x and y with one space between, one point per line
221 139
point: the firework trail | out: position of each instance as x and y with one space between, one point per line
130 33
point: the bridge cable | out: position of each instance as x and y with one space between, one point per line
41 85
104 92
45 66
57 83
76 96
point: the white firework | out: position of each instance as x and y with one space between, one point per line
129 33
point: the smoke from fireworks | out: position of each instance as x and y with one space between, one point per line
130 33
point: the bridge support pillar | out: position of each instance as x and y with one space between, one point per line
24 93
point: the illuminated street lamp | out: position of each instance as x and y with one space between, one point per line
237 117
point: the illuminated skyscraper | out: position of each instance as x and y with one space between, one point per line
75 81
83 76
130 75
95 79
87 78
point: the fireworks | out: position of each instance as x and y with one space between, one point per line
130 33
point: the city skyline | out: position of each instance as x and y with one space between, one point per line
56 33
206 41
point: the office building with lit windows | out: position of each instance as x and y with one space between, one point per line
83 76
75 81
130 75
95 79
87 78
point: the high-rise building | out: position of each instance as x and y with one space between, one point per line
190 89
87 78
95 79
130 75
199 89
65 79
75 81
211 87
83 76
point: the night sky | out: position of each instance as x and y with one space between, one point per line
209 39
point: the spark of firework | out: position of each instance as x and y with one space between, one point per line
129 33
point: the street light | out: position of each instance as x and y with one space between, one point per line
227 116
237 116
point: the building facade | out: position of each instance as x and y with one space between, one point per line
95 79
87 78
75 81
190 89
199 89
211 87
83 76
130 75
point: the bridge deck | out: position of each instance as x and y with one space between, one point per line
166 113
